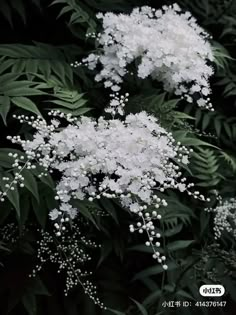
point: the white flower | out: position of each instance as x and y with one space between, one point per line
170 45
130 160
54 214
182 187
185 159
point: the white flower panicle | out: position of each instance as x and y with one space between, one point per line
130 160
225 217
167 45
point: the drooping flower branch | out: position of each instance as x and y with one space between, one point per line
130 160
166 44
69 254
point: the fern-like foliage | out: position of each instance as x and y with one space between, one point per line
208 10
14 91
205 167
69 101
36 59
222 126
28 72
229 159
79 14
227 80
221 57
160 105
213 12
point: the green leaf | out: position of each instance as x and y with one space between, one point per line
195 142
115 312
29 302
59 69
185 294
173 231
20 9
38 288
8 79
227 129
6 11
25 206
41 210
198 116
153 297
12 195
27 104
23 91
151 271
109 207
205 121
77 112
143 249
141 308
84 210
47 180
4 107
218 126
106 250
72 106
180 244
5 160
30 183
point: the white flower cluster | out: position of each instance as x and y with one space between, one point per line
225 217
131 160
166 44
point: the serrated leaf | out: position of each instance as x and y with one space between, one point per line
20 9
18 67
26 103
23 91
72 106
213 182
6 78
